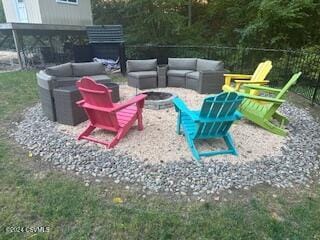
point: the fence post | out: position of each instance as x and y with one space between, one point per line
242 57
123 58
286 72
315 92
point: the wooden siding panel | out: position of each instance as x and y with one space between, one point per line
33 11
67 14
10 11
32 8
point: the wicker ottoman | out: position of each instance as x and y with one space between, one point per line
67 111
162 75
115 91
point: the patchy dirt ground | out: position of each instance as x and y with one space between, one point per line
8 61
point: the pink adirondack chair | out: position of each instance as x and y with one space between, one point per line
105 114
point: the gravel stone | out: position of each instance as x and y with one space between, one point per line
297 163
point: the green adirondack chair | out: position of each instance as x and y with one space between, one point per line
214 120
263 110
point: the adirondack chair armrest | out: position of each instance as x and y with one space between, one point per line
93 107
135 100
265 99
237 76
239 83
237 115
181 106
251 82
229 77
80 102
262 88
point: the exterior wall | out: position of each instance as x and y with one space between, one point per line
32 7
53 12
33 11
10 11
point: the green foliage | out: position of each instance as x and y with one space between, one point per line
160 18
283 24
156 22
253 23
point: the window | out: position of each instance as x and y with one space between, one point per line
68 1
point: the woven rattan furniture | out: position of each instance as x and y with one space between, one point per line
67 111
162 75
115 95
201 75
65 75
142 74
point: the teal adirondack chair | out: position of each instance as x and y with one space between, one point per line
263 110
215 118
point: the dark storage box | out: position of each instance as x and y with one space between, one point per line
47 103
65 98
67 111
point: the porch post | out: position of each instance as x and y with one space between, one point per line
17 44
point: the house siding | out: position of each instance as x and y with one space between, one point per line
33 11
10 11
66 14
51 12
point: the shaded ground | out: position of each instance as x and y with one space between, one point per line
35 195
8 61
304 103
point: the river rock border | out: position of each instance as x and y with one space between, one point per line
296 165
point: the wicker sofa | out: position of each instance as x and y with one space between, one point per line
142 74
65 75
201 75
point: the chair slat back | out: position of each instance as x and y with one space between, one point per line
290 83
98 95
222 106
262 71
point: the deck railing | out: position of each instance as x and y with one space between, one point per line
245 60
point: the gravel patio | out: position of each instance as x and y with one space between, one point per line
158 160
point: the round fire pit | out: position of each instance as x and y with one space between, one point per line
158 100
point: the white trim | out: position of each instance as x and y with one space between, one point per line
67 2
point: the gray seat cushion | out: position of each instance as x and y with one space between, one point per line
144 74
63 70
100 78
88 69
209 65
193 75
182 63
65 81
141 65
44 80
178 73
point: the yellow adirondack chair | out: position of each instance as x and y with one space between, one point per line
233 82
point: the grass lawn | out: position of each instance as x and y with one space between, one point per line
33 194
